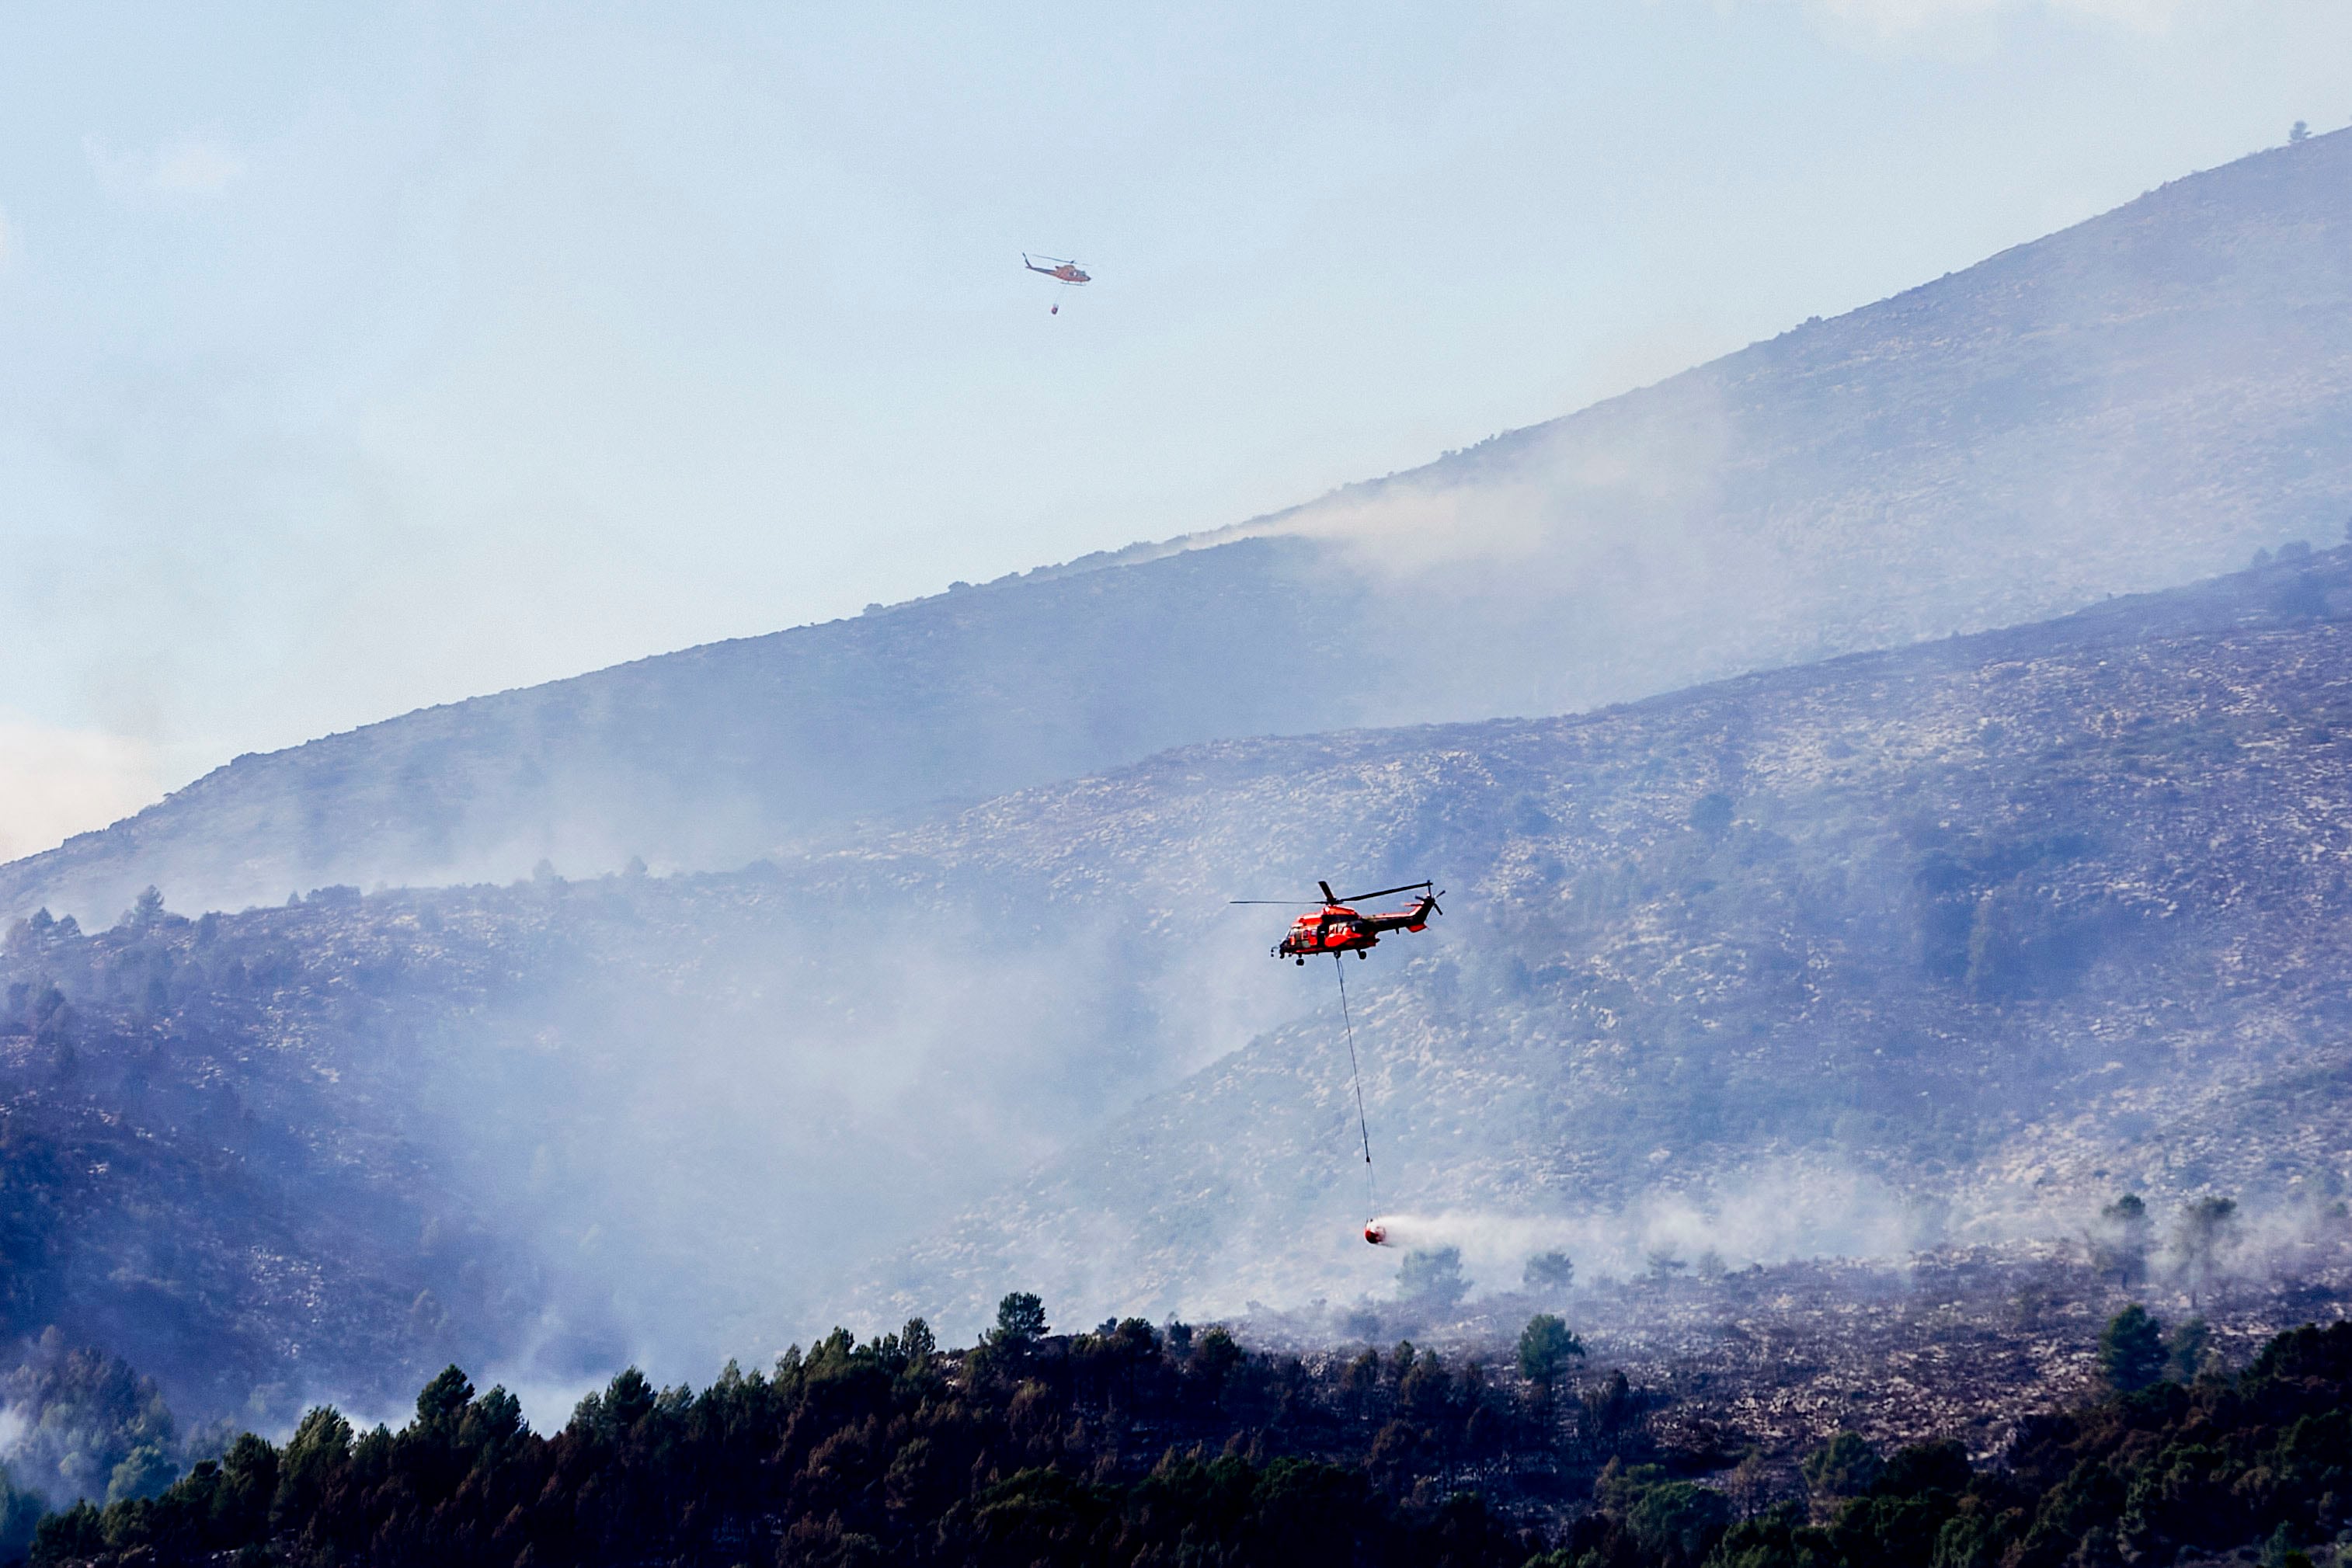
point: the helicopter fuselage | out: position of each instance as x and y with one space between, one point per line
1337 928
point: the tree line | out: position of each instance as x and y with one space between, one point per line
1133 1446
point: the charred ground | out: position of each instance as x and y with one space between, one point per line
2083 882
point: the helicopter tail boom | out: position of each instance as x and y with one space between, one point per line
1415 919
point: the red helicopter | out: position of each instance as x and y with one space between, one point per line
1338 929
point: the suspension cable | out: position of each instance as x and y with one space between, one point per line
1363 1126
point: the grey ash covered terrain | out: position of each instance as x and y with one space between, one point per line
1944 945
1743 1372
2138 401
1954 942
209 1161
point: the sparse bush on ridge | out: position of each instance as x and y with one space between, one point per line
1546 1345
1551 1272
1433 1276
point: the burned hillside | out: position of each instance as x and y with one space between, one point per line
1933 946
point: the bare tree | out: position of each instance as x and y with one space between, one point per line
2121 1238
2202 1242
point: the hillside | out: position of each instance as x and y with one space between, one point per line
2140 400
1950 943
1942 944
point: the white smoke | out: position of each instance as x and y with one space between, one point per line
1773 1211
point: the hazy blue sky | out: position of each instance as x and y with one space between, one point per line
359 357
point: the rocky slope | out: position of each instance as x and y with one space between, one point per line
2138 401
1943 944
1958 941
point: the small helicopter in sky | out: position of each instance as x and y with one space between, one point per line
1337 927
1062 271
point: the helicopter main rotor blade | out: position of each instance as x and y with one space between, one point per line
1384 892
1285 902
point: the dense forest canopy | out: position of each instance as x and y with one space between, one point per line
1134 1444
